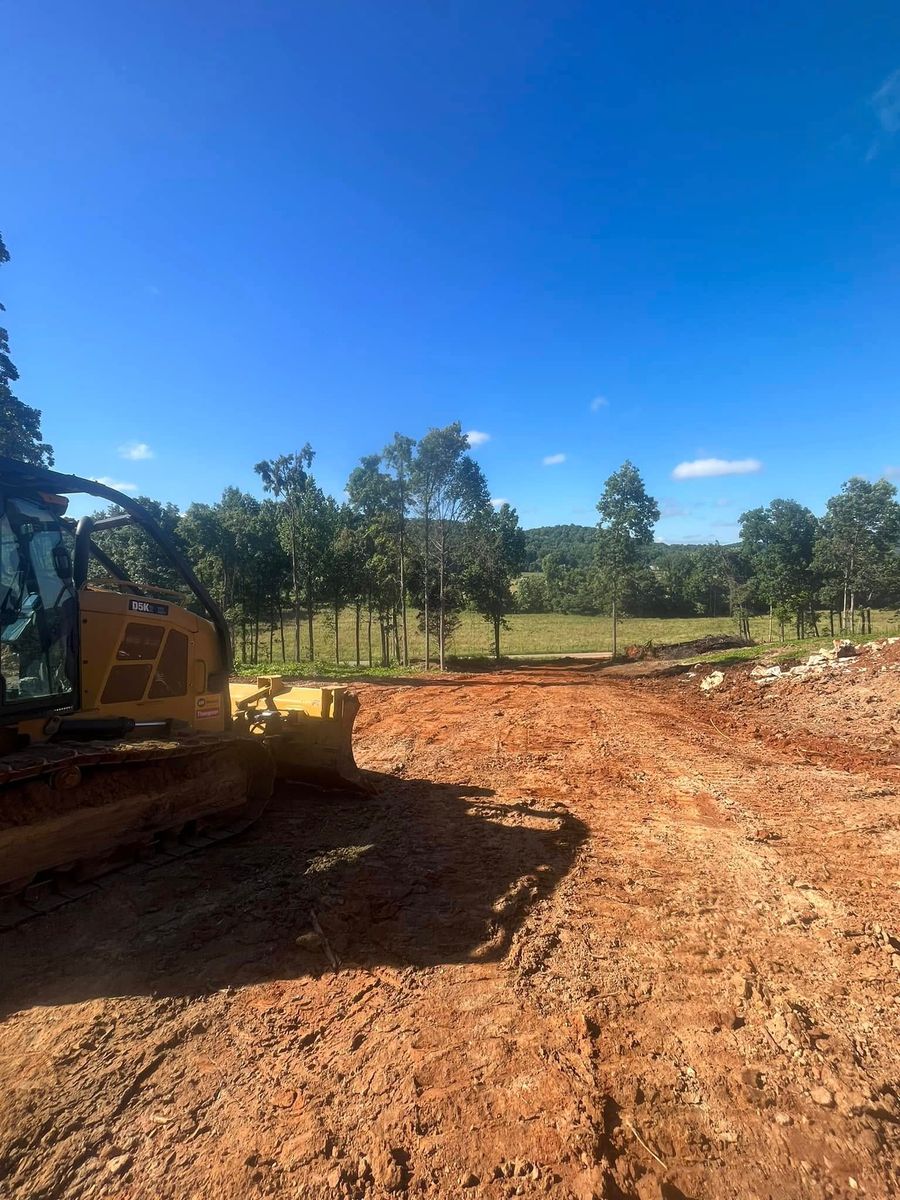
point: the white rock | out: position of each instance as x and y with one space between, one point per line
714 680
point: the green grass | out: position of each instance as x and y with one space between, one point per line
529 634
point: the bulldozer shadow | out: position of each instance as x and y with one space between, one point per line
415 873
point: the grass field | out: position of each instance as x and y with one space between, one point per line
529 633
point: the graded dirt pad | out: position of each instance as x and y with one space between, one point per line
596 937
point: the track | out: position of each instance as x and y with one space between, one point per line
596 938
73 811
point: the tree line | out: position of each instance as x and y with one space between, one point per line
415 542
789 564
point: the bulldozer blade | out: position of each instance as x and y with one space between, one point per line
313 742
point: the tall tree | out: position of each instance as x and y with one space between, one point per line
858 545
737 571
627 515
398 456
496 552
424 481
373 498
337 565
456 490
288 478
779 540
20 425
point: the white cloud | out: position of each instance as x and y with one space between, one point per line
886 102
477 438
135 451
499 501
599 402
116 484
891 472
708 468
553 460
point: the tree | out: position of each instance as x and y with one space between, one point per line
531 593
289 479
399 458
424 482
779 541
858 546
134 551
496 547
737 571
20 425
338 574
373 497
451 488
627 516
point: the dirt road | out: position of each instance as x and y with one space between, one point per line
598 937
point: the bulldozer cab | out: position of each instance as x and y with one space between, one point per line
44 564
38 608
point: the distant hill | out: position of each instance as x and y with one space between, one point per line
573 545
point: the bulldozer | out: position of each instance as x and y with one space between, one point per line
122 735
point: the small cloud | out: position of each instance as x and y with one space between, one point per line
116 484
891 473
553 460
599 402
153 290
477 438
499 501
886 102
135 451
708 468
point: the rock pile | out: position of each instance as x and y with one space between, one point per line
839 656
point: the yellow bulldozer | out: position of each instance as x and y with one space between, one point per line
121 734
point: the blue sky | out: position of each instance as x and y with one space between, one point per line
590 231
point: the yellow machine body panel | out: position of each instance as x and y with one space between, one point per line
149 660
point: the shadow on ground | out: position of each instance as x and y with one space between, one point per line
418 873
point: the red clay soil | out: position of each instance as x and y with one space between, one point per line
597 937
